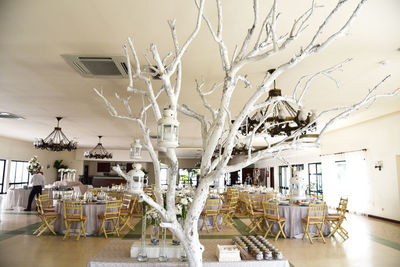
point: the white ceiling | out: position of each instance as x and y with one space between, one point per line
36 83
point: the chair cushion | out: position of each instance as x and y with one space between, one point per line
50 214
312 220
76 217
332 218
258 213
272 218
108 216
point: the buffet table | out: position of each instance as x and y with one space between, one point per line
116 254
18 198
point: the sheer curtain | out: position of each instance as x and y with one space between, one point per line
345 175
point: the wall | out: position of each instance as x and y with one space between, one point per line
12 149
381 139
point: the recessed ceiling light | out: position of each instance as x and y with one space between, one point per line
8 115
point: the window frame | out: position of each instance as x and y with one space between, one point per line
14 175
317 175
281 188
2 176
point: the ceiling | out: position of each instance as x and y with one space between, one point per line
36 82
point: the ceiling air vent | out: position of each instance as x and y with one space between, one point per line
98 66
8 115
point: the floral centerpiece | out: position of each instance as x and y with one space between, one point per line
34 165
155 228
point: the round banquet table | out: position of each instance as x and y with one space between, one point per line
90 210
18 198
293 227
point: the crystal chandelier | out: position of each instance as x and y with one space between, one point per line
56 141
98 152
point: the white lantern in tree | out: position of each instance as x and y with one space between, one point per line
136 150
136 175
168 130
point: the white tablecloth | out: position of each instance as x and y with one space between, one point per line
116 254
91 211
18 198
294 227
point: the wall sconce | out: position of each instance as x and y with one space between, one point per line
379 165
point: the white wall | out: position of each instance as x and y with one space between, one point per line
12 149
381 138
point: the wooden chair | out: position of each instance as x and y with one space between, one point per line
46 202
127 211
111 213
271 195
271 216
335 220
48 219
211 209
257 201
73 214
316 216
256 217
115 194
227 211
66 194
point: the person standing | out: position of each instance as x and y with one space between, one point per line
37 182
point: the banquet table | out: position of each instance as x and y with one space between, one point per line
18 198
90 210
293 227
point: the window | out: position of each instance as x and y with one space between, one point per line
188 176
284 179
341 170
315 178
2 174
297 167
19 173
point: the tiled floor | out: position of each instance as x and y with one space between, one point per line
372 243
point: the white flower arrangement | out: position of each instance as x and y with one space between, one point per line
186 196
154 216
34 165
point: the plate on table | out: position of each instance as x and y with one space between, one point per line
284 203
304 203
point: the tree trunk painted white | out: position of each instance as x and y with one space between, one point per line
218 132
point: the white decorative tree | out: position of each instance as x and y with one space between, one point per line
219 132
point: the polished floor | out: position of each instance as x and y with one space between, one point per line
372 242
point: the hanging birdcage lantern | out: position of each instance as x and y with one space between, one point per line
136 150
168 130
137 176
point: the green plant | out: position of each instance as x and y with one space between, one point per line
58 165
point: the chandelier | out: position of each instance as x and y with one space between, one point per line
278 118
56 141
98 152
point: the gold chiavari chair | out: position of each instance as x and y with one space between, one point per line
257 200
271 216
271 195
66 194
73 214
335 220
256 217
111 213
316 216
46 202
115 194
211 209
127 211
243 196
227 210
48 219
